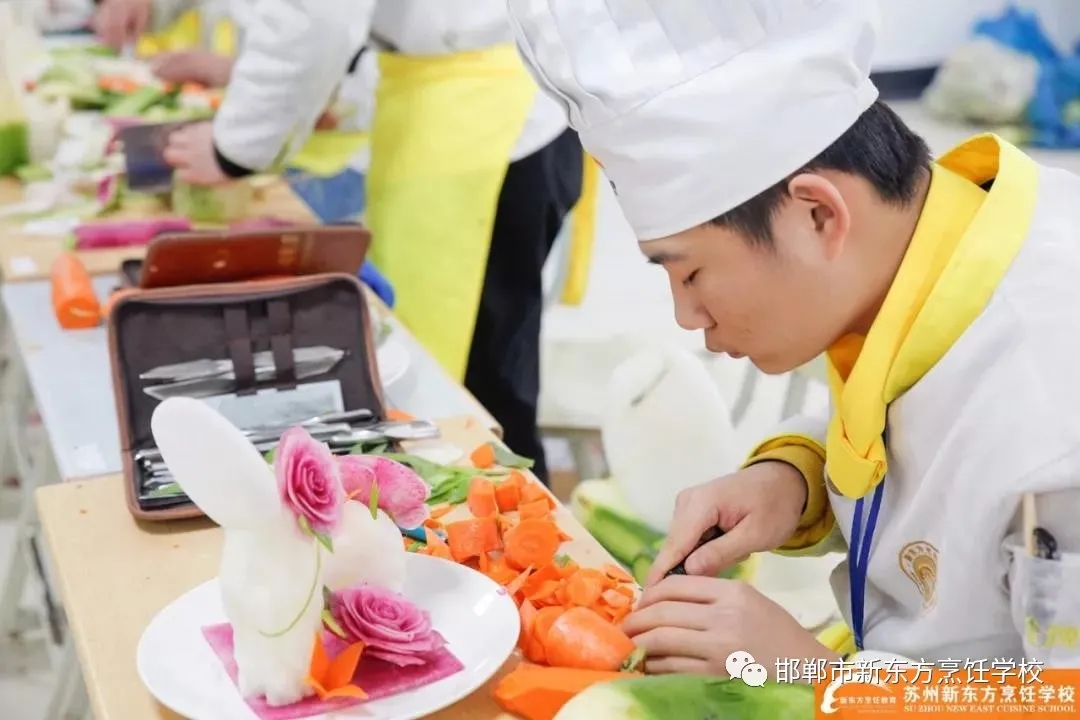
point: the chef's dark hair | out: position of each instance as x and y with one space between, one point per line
879 148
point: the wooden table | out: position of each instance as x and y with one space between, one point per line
115 574
26 256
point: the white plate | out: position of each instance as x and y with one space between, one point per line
393 360
477 618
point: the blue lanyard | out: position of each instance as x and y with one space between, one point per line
859 557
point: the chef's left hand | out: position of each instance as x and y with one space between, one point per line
691 624
191 152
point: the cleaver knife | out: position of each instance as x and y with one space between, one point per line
144 155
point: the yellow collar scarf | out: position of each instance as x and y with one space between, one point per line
945 280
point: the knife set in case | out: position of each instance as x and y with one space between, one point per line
267 352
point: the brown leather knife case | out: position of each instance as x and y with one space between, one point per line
233 320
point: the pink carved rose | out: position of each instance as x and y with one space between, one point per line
402 493
308 480
391 627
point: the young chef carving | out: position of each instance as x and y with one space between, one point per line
472 169
796 215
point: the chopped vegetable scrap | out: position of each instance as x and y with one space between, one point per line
493 518
536 692
570 615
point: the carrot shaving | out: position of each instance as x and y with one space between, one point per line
440 510
616 573
533 492
500 572
467 539
395 415
535 509
514 586
532 542
483 457
435 545
583 590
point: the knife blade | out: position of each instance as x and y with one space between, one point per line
144 155
208 368
224 384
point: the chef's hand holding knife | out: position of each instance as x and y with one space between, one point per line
692 622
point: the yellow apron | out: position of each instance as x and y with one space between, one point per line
186 34
582 234
441 138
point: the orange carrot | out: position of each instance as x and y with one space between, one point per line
193 88
534 509
395 415
439 510
73 298
117 84
527 641
544 621
436 546
581 639
500 572
616 573
469 538
508 493
481 497
584 588
533 492
333 678
483 456
534 692
532 542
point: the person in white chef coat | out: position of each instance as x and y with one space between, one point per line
472 169
796 215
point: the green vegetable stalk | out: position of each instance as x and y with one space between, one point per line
14 146
14 133
690 697
219 204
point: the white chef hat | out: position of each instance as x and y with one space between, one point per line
695 106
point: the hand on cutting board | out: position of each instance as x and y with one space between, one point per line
119 22
193 66
688 624
191 152
757 508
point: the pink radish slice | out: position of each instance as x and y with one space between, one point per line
125 233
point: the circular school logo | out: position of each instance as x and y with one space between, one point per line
740 665
919 561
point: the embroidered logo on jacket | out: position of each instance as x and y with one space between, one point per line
919 561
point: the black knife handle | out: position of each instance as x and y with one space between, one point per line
708 536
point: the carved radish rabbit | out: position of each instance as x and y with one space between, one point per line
666 428
272 563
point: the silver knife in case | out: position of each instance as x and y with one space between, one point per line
207 378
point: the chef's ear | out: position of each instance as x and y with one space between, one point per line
827 214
